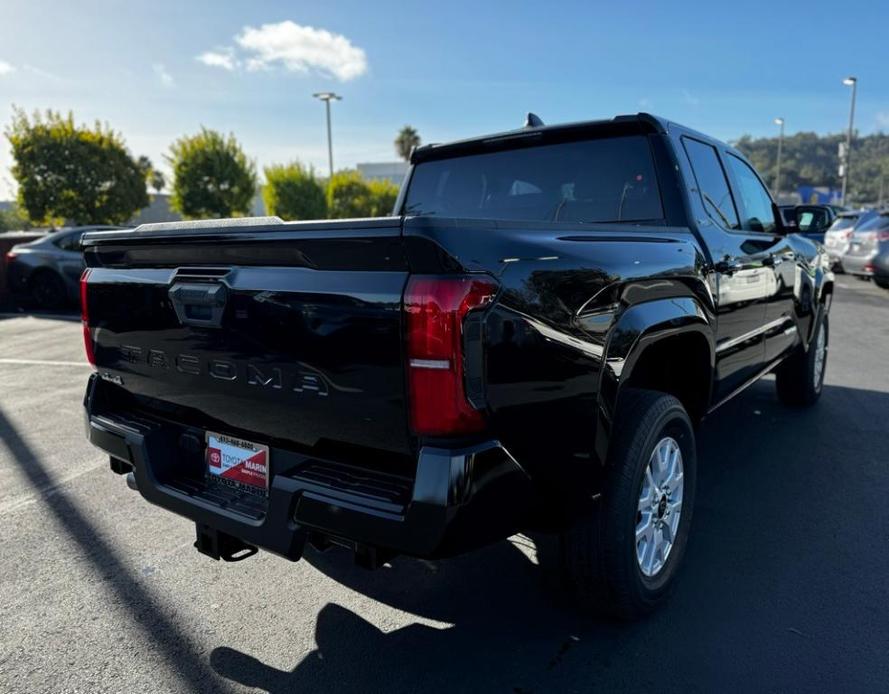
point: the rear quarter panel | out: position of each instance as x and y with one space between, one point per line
565 291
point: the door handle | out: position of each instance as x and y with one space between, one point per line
728 266
199 304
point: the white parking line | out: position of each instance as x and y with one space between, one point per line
43 362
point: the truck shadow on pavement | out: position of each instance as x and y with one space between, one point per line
156 622
764 600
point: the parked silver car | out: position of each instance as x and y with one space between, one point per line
839 235
48 270
869 249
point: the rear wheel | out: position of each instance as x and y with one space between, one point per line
882 282
800 378
48 289
624 556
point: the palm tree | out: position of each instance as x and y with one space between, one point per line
407 139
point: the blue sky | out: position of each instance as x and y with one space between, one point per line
157 70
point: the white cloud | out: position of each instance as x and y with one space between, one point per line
6 68
223 58
165 77
294 47
302 49
882 119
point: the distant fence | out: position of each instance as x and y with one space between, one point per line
7 241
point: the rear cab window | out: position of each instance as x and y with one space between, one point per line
610 179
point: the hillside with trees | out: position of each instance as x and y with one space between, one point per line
809 159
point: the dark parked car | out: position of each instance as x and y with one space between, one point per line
528 343
48 270
868 254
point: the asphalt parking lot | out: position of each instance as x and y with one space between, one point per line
785 586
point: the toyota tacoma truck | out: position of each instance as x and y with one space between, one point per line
528 343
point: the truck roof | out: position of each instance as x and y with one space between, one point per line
560 132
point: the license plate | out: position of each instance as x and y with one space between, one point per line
237 463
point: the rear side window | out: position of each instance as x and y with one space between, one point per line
605 180
712 183
841 223
70 242
758 212
879 221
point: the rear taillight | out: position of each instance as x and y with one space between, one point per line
10 256
848 235
85 318
883 235
436 309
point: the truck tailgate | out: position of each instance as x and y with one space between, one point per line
285 334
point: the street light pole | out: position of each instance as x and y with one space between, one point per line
327 97
779 121
849 82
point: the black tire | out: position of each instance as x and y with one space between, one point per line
600 549
48 289
882 282
795 379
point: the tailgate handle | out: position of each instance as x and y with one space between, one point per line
199 304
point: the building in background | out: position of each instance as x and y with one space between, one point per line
820 195
384 171
158 210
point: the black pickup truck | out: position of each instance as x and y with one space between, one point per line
528 343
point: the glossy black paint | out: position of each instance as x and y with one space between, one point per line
310 356
301 358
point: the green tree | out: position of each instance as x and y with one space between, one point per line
212 177
348 195
154 178
293 192
73 173
157 180
405 141
12 219
382 197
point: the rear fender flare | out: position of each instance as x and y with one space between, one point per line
637 328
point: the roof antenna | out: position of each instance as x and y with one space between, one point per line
532 120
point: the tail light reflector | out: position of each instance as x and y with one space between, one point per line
436 308
85 318
10 256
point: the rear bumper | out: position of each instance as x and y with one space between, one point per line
861 265
459 498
